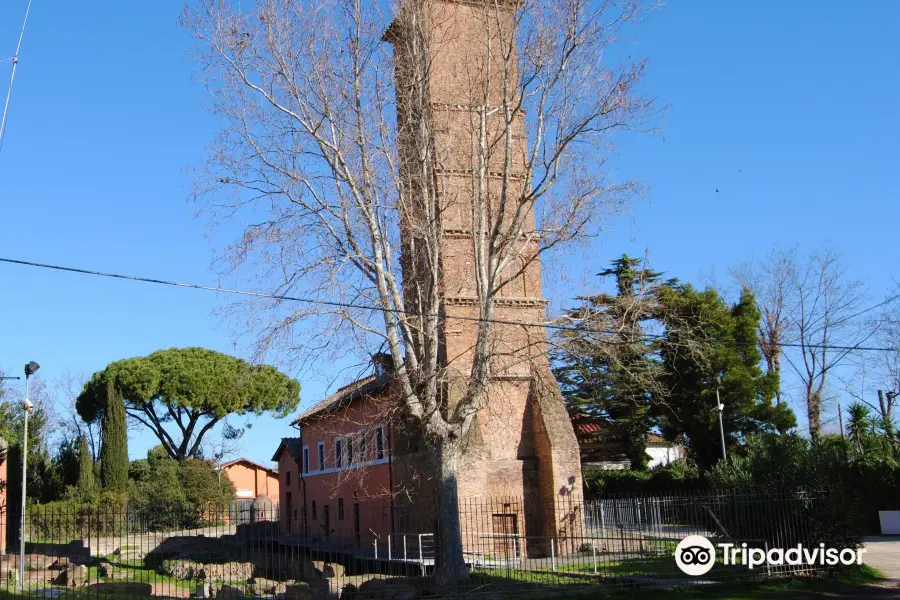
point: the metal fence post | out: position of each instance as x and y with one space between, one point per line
553 554
594 555
404 546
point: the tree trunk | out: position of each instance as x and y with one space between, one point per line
449 566
886 411
813 413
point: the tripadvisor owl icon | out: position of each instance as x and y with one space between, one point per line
695 555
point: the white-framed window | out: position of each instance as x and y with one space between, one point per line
338 453
379 442
305 460
321 456
351 458
363 446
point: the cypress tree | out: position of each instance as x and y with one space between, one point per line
114 448
85 468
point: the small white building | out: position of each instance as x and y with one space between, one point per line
599 450
661 452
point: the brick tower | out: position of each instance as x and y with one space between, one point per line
522 445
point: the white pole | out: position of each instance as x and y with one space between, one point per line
389 547
721 408
594 554
404 546
24 479
553 553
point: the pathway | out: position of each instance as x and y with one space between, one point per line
883 553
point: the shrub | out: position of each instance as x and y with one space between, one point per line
673 478
860 486
784 489
172 494
63 521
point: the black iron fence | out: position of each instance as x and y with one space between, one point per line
384 549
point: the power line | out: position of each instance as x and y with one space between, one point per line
884 302
349 305
12 76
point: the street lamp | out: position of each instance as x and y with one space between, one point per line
30 369
720 408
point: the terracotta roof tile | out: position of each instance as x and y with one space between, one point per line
358 389
588 427
248 461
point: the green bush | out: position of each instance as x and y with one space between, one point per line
170 494
670 479
861 485
163 495
63 521
781 488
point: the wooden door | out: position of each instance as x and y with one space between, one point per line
505 530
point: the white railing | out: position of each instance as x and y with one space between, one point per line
415 547
419 548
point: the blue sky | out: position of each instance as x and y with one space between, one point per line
788 109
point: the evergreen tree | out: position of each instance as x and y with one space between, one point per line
85 468
608 368
194 388
114 450
708 345
66 462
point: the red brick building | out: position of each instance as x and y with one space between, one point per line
337 478
354 473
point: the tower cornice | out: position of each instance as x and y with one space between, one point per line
392 32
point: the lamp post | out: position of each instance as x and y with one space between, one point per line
720 408
30 369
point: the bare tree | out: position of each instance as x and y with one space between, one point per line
228 444
66 388
887 367
813 316
768 279
337 157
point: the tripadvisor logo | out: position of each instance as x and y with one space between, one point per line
695 555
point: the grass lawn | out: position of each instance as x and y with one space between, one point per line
560 586
648 566
848 583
